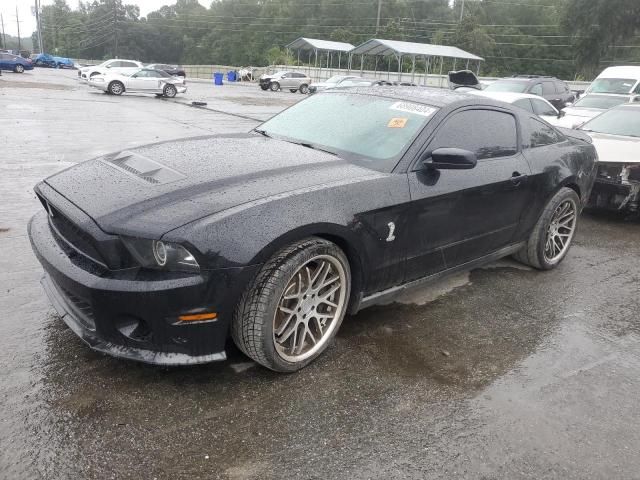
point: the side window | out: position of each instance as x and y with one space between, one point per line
488 133
542 134
524 103
542 108
548 88
114 64
637 89
128 64
537 89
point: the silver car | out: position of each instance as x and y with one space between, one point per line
293 81
144 80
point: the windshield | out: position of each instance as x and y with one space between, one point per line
599 101
618 121
507 86
612 85
365 128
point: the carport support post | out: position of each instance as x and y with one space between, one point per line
339 56
441 62
455 60
389 69
399 68
315 65
361 64
375 68
413 68
309 65
298 64
478 70
467 67
427 63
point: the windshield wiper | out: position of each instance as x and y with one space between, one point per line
315 147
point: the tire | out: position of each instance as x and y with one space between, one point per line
293 90
116 88
169 91
542 250
18 68
264 87
304 88
274 86
268 332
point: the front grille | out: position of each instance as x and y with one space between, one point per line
73 235
82 310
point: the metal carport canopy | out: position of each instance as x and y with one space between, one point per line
303 43
377 46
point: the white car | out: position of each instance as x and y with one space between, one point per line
332 82
115 65
616 136
590 106
531 103
142 80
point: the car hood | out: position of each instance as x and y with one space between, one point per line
582 112
156 188
616 148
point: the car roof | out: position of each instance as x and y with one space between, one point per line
620 72
437 97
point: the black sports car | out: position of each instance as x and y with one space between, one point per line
170 69
161 253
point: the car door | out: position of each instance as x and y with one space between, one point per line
285 80
460 215
145 81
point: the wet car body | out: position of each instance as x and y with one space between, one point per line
235 200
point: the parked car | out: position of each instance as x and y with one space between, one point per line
551 89
531 103
15 63
342 201
617 80
144 80
292 81
170 69
112 66
332 82
46 60
616 136
464 81
590 106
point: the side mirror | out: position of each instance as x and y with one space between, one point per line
108 66
451 159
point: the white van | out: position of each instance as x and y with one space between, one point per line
617 80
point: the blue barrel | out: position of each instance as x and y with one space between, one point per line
231 75
217 78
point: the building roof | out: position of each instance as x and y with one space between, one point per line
303 43
378 46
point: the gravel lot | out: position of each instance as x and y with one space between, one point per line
504 372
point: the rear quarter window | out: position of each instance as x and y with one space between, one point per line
541 134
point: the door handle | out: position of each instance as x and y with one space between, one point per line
517 178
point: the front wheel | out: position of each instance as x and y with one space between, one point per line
170 91
304 88
116 88
552 235
293 308
275 86
264 87
18 69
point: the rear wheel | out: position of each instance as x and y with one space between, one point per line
293 308
170 91
551 238
18 68
304 88
116 88
274 86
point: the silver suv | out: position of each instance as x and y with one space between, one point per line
294 81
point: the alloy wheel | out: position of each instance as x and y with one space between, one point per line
560 231
310 308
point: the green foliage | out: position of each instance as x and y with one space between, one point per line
564 38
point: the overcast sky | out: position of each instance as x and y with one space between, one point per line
28 21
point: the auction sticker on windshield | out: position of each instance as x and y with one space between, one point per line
397 122
415 108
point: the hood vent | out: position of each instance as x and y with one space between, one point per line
143 168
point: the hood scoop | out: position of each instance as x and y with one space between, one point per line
143 168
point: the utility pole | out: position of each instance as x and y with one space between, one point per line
4 37
461 11
115 30
37 12
378 19
18 22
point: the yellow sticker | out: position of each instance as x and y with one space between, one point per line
397 122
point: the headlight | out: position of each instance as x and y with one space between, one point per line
161 255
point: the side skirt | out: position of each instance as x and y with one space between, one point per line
390 293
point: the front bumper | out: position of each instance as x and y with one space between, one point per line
138 319
610 195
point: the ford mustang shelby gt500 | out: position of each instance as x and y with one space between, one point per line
163 252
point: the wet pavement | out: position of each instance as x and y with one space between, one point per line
504 372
